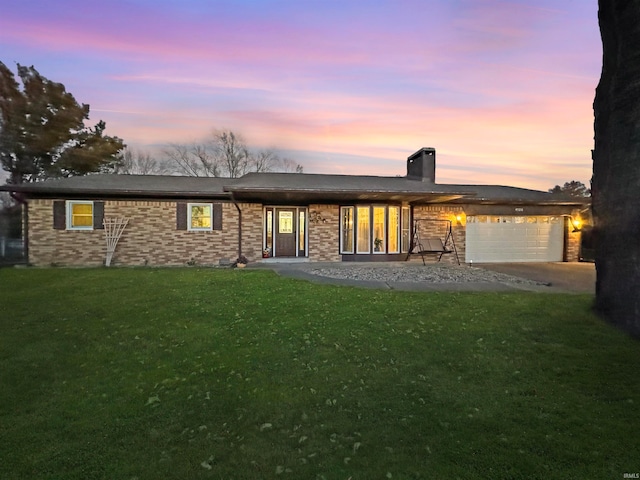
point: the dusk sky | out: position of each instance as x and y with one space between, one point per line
503 90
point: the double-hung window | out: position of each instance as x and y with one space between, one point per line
79 215
200 216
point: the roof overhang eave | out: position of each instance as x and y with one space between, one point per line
134 193
308 195
522 202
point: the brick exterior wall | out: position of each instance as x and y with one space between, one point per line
573 240
150 238
324 233
252 230
433 223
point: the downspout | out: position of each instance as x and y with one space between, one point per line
25 223
239 225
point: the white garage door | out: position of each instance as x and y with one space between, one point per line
514 239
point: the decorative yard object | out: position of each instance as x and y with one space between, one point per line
241 262
113 228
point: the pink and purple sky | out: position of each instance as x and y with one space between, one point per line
502 89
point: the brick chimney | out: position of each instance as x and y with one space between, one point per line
422 165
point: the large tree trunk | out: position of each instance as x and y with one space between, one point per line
616 166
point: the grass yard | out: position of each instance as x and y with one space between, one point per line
228 374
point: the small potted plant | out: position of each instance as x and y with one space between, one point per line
241 262
377 244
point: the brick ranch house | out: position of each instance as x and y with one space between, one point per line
175 220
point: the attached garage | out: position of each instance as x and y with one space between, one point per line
510 238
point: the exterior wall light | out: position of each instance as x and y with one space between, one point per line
577 224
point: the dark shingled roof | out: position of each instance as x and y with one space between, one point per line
502 194
372 187
287 187
320 187
127 185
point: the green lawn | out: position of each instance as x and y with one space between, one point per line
231 374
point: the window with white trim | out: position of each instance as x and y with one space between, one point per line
406 229
394 229
346 229
79 215
379 230
199 217
363 232
374 229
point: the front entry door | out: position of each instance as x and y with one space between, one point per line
286 228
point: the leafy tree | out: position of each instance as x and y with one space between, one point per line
616 166
573 189
42 131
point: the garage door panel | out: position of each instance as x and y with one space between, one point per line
525 239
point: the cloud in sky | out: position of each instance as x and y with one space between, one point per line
502 89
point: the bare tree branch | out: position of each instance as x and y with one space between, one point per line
194 160
225 155
263 161
141 163
290 166
232 153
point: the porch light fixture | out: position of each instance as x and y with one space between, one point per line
577 224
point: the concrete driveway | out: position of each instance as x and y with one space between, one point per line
488 277
576 277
